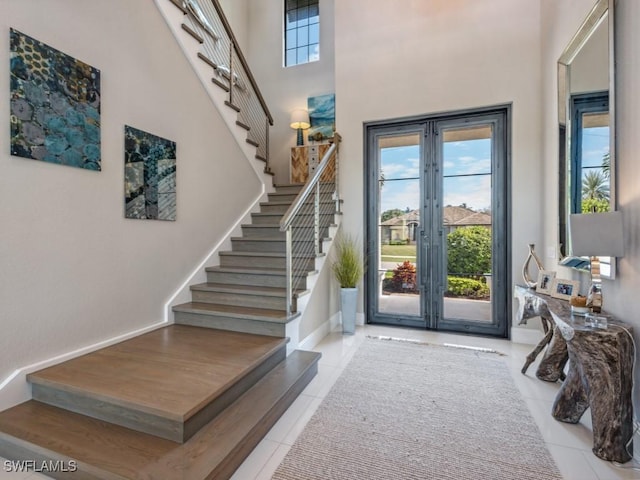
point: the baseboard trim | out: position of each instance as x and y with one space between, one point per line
15 389
315 337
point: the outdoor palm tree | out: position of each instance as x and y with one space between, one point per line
595 186
606 165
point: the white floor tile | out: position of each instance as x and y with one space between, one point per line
571 463
608 471
272 465
256 461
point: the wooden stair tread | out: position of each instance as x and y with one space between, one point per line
109 451
246 289
261 314
171 372
255 270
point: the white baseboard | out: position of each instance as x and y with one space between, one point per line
528 336
315 337
15 389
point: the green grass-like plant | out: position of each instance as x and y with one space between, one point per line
348 266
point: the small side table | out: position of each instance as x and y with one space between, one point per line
599 375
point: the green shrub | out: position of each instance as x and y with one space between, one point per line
469 250
466 287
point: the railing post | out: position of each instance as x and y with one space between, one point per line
316 220
337 171
231 72
289 269
266 146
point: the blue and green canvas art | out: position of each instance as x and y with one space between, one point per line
322 114
55 105
149 176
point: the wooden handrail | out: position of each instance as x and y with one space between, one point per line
243 61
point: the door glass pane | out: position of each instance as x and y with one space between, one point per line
399 225
467 223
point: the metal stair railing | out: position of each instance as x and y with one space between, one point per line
307 221
232 72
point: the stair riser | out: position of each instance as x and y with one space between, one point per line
275 246
288 189
308 208
254 280
325 196
274 232
248 245
260 262
274 219
223 322
238 299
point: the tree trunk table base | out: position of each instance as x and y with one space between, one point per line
599 375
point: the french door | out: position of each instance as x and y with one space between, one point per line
438 222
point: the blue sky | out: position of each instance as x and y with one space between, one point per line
465 157
595 144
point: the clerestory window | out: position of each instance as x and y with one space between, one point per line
301 32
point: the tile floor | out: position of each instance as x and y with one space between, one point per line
570 445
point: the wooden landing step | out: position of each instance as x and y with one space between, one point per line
40 432
168 382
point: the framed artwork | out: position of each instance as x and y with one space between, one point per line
55 105
322 116
564 289
149 176
545 281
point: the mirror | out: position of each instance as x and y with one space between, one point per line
586 124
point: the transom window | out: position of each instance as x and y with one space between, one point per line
302 32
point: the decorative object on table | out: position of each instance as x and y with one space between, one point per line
525 268
564 289
392 415
545 281
322 112
299 121
531 305
596 235
55 105
348 269
579 305
149 176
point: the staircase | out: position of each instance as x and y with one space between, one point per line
190 400
247 292
180 402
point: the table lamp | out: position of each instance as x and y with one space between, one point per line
596 235
300 121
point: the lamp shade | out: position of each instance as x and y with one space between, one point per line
300 119
597 234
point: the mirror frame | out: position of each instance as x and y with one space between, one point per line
603 10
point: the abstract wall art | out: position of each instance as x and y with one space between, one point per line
322 113
55 105
149 176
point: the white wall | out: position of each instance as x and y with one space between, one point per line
437 56
73 271
237 12
287 88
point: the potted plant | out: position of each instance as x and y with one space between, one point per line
348 268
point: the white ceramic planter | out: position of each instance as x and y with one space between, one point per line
348 302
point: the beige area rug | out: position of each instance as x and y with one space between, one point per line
407 411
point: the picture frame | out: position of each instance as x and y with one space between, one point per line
545 281
564 289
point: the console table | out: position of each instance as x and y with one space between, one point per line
599 374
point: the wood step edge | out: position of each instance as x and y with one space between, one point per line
220 84
34 431
180 5
252 142
207 60
232 106
230 311
245 289
261 158
193 33
255 271
243 125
